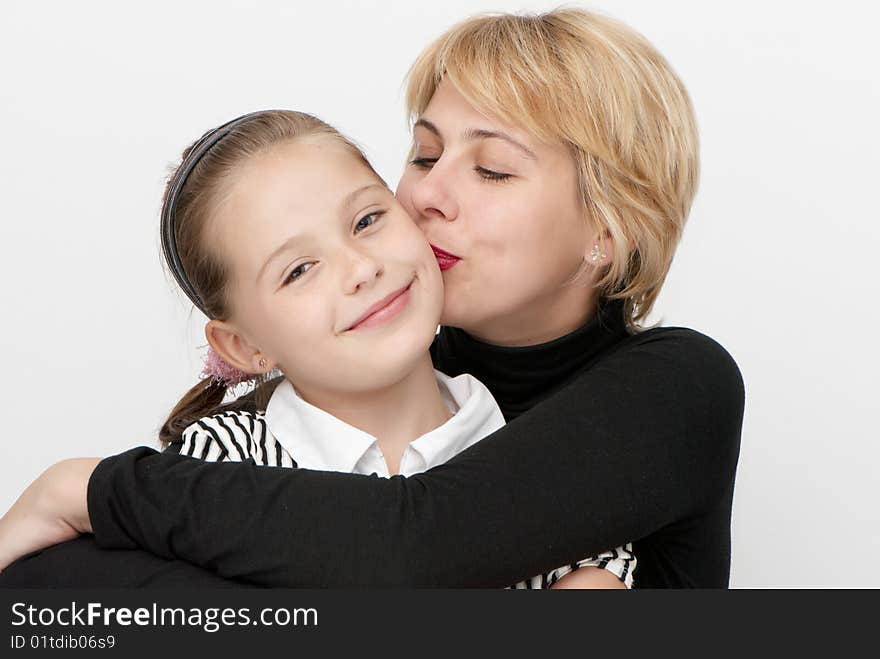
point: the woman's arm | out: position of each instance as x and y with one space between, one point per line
647 438
80 563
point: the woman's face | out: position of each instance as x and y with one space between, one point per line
506 207
315 242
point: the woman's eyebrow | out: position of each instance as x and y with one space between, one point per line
480 134
427 125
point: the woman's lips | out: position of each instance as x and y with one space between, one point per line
384 310
444 259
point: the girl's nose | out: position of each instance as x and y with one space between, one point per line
362 271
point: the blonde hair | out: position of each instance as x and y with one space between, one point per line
603 90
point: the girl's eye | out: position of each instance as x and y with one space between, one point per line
489 175
298 271
368 220
423 163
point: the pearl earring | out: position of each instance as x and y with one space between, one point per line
596 254
262 362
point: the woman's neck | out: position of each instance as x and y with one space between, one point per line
539 321
395 415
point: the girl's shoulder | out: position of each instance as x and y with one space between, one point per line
230 435
235 436
223 418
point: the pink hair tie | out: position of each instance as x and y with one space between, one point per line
220 371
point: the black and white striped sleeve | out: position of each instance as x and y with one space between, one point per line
234 437
227 437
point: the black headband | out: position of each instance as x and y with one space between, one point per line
169 243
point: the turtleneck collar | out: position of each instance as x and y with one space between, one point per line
521 377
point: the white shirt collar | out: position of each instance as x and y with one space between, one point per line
316 439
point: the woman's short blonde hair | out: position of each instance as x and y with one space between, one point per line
602 89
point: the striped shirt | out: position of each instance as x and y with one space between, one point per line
292 426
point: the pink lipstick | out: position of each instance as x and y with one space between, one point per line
444 259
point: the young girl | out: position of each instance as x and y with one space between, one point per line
280 231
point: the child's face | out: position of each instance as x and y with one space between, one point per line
315 241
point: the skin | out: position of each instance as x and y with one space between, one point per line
513 216
511 212
324 241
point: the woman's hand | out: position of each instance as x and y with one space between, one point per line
52 509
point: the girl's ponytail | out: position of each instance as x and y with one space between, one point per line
202 400
206 398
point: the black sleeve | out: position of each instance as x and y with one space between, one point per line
647 437
81 563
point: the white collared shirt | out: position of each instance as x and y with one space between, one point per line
319 440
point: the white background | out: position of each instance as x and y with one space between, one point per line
98 99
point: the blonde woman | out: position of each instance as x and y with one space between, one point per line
554 162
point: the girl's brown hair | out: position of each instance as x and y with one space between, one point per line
206 270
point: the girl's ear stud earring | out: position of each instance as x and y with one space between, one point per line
596 254
262 362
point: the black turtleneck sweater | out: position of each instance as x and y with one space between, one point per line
520 378
612 438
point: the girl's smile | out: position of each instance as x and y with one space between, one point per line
385 310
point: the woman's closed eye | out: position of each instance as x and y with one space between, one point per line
491 175
483 172
424 163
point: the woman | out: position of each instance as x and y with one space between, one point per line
554 163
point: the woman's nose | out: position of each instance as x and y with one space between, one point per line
432 197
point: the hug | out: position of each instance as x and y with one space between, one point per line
545 437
